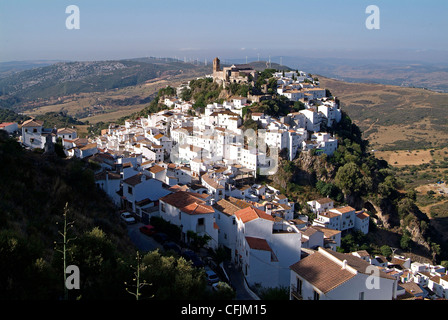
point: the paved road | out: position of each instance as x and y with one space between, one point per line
145 243
237 282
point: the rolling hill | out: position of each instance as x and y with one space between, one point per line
393 117
69 78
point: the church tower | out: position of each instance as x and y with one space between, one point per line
216 65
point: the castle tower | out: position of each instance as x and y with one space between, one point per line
216 65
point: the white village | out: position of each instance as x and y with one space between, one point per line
199 171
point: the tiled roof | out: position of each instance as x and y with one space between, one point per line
321 272
226 207
324 200
258 244
155 169
188 202
252 213
134 180
344 209
327 231
33 123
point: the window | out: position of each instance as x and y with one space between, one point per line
316 295
299 286
162 207
34 130
201 221
130 190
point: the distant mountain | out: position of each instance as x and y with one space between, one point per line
258 65
432 76
11 67
67 78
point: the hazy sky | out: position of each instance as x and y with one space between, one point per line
111 29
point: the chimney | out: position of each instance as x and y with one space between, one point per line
344 264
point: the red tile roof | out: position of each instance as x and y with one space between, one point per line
252 213
258 244
188 202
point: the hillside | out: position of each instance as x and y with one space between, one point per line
70 78
392 117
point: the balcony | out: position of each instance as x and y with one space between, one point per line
295 294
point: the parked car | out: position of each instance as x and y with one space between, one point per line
212 277
127 218
149 230
170 245
161 237
193 257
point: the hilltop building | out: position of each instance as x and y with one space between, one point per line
233 74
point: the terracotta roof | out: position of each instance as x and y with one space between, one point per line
258 244
226 207
155 169
197 208
211 182
33 123
324 200
111 176
322 272
5 124
66 130
344 209
359 264
362 215
89 146
178 188
134 180
252 213
239 202
327 231
188 202
329 214
411 288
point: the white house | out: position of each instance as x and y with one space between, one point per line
9 127
329 275
32 134
225 218
190 212
321 205
439 285
362 221
265 249
141 187
67 133
109 182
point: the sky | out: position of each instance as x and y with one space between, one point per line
117 29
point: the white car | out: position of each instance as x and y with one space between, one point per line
212 277
127 217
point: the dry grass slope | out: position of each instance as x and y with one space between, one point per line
392 117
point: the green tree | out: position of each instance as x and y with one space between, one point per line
405 241
173 278
386 251
350 179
